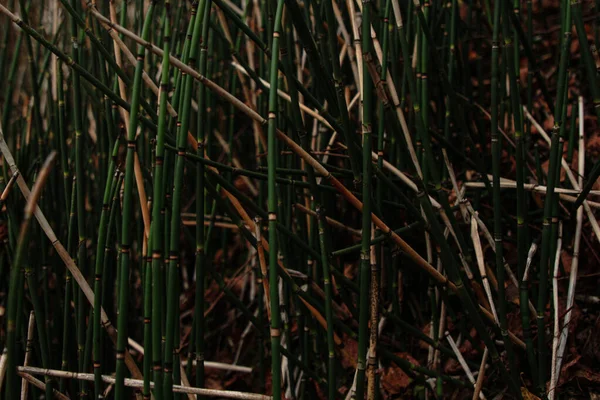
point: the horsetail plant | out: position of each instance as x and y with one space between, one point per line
318 177
125 247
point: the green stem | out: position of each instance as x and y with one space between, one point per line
125 247
272 208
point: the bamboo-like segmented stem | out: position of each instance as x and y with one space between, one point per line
327 284
381 131
61 137
77 117
372 357
125 247
422 97
136 161
496 154
202 132
262 265
174 238
147 315
272 208
376 262
522 236
309 223
68 285
109 191
366 91
451 61
158 214
553 169
496 150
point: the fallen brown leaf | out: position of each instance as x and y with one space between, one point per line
395 381
349 353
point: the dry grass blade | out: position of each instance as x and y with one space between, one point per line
137 383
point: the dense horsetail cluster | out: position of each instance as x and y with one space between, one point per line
298 199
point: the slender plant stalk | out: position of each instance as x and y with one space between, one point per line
327 284
125 247
522 236
365 253
203 131
174 237
553 168
272 208
158 215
